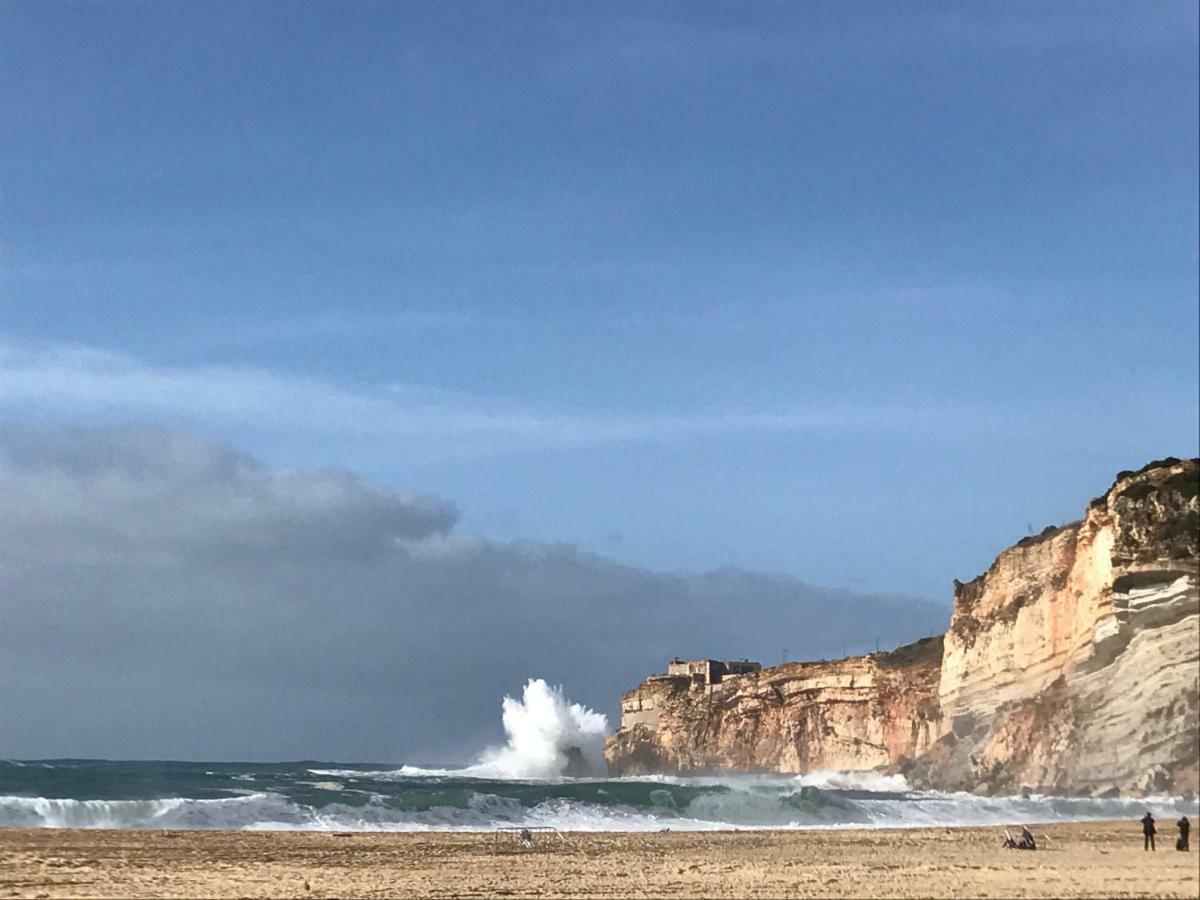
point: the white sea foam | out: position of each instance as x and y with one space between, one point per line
167 812
854 781
745 803
544 729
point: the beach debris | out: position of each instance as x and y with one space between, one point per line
524 835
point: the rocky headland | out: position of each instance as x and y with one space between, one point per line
1072 665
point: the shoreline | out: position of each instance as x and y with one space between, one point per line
1078 859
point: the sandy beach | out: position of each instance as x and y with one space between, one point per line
1079 860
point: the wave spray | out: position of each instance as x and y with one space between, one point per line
548 737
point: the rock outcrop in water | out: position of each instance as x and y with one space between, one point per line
1072 665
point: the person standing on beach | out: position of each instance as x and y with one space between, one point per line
1184 827
1148 831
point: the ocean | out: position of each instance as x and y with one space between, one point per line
322 796
518 784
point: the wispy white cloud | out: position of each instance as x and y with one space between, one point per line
82 383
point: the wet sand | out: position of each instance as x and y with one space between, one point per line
1079 860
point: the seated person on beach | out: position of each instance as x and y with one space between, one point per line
1025 843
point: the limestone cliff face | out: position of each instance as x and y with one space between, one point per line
850 714
1072 665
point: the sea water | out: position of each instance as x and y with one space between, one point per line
340 797
515 785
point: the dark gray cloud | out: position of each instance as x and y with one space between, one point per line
167 596
140 492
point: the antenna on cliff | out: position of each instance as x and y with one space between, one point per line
783 656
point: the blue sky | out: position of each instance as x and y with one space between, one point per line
853 292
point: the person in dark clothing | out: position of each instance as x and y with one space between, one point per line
1184 827
1148 831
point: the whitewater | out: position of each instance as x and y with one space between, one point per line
521 783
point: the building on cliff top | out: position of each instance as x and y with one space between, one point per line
710 671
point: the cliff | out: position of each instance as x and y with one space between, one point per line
1072 665
857 713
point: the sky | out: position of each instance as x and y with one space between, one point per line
827 302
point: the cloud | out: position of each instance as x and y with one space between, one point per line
163 595
74 382
107 486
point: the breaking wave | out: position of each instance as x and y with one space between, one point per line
547 736
423 803
853 781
